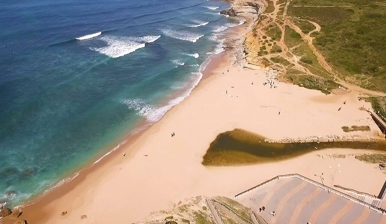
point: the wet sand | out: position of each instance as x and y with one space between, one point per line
153 170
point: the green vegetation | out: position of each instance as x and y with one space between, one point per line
312 82
291 38
275 48
355 128
195 210
379 106
280 60
352 38
242 147
274 32
372 158
200 218
270 7
304 25
309 60
238 208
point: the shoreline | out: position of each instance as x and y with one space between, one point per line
41 207
104 156
96 162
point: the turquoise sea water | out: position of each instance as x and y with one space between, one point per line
65 96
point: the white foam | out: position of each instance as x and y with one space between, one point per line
158 113
241 22
198 23
152 113
219 29
112 150
146 39
219 48
195 55
182 35
139 106
118 46
46 183
89 36
213 8
178 62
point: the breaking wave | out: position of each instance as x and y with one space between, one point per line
197 23
89 36
182 35
195 55
146 39
219 29
153 113
178 62
121 46
213 8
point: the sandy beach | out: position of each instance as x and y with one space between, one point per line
155 170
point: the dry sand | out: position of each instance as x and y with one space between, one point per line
159 170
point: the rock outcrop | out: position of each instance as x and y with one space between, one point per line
7 216
254 5
229 12
4 211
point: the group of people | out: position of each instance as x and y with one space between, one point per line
261 209
271 78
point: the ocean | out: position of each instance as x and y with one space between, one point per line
76 77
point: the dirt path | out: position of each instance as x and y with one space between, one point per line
282 21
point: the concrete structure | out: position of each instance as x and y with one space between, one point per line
297 199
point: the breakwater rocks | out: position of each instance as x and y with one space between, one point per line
8 216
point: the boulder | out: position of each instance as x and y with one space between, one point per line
229 12
255 5
4 211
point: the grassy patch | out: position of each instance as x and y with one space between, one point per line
242 147
280 60
275 48
236 207
379 106
355 128
308 57
270 7
352 38
201 218
312 82
291 37
305 26
274 32
372 158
